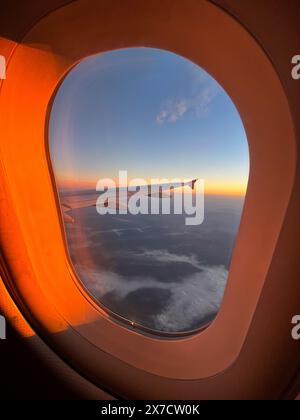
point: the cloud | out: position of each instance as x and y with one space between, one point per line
101 282
120 231
199 103
194 299
172 111
164 256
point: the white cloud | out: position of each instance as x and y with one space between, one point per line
197 297
101 282
172 111
193 299
164 256
199 103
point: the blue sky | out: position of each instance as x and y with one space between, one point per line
150 112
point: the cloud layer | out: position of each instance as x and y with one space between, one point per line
193 300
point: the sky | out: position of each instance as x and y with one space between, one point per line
152 113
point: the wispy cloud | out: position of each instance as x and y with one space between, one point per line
199 103
172 111
165 257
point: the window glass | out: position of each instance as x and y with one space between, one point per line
157 257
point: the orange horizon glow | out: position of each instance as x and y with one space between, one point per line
233 188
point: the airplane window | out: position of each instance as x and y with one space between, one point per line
151 163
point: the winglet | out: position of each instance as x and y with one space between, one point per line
194 182
66 217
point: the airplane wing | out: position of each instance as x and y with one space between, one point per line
76 200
